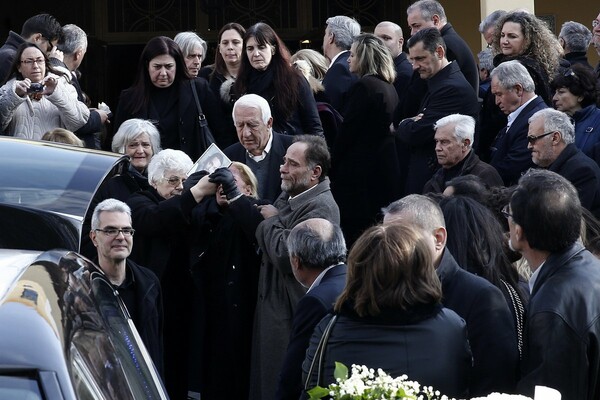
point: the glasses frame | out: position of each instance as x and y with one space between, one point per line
595 23
127 232
532 139
172 182
505 212
29 62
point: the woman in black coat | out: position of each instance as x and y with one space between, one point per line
162 217
163 92
389 316
266 70
365 173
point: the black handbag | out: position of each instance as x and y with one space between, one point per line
206 137
317 360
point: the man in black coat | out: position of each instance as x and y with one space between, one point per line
575 38
492 332
42 30
551 141
393 38
514 90
562 331
339 35
448 92
260 148
139 287
453 146
317 253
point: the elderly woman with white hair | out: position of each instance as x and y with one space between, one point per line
194 50
162 217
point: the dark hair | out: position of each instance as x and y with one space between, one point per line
431 38
45 24
476 240
581 81
286 79
14 68
220 66
316 153
547 207
498 198
470 186
140 90
390 267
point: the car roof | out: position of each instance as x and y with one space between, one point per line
53 177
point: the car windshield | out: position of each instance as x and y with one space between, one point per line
52 178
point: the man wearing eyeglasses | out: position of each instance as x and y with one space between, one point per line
42 30
514 91
139 287
551 140
562 332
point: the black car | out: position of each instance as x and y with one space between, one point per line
64 331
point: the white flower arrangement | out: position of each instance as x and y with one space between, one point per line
502 396
367 384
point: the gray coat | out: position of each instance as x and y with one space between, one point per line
278 290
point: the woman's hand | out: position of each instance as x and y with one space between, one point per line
22 86
49 83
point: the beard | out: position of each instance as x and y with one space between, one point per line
297 187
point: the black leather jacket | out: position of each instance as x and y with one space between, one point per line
562 331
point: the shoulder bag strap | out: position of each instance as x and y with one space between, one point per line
519 312
201 116
319 355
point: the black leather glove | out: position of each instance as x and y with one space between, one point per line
193 179
224 177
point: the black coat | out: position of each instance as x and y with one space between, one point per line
271 189
311 308
562 330
179 128
161 244
404 73
471 165
583 173
448 93
227 275
490 325
428 343
337 82
457 49
8 52
149 311
510 155
365 169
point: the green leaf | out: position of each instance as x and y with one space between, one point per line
317 392
341 371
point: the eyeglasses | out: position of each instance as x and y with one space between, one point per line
30 61
569 72
532 139
112 232
175 181
595 23
505 212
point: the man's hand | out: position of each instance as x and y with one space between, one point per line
268 211
56 53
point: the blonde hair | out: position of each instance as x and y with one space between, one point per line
61 135
373 57
248 177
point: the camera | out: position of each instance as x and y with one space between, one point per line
35 88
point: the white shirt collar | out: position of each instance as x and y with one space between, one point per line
513 115
534 277
336 57
266 151
306 191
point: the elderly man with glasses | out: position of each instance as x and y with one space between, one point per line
551 141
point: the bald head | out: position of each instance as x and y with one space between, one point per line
392 36
317 243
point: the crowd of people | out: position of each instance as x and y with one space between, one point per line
410 211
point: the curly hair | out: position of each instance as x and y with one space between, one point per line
539 42
581 82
